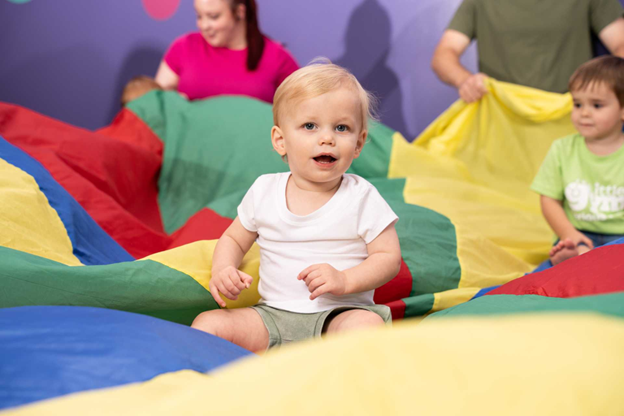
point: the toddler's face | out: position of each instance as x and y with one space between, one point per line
597 113
321 136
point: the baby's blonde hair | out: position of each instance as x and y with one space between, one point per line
317 78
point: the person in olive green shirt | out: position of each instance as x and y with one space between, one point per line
536 43
581 181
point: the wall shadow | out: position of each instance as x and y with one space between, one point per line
367 46
142 60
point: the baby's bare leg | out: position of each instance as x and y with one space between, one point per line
353 319
243 327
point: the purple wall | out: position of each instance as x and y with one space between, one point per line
69 59
387 44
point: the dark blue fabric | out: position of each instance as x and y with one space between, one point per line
91 244
543 266
618 241
602 239
48 351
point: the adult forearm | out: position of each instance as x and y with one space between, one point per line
612 36
619 51
448 68
166 78
376 270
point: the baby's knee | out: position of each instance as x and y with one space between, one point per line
367 318
212 322
355 319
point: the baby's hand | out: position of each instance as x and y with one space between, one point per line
230 282
323 278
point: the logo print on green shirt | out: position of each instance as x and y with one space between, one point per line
594 203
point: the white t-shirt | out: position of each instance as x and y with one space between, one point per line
336 234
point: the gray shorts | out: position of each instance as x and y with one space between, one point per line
285 326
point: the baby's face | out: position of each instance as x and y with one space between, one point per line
321 136
597 113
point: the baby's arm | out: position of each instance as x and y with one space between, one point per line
559 222
228 255
383 263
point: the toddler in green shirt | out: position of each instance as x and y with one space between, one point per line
581 181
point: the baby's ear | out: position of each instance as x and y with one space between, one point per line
277 139
360 143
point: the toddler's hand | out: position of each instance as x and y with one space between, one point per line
230 282
323 278
579 238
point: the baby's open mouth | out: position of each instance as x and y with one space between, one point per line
325 159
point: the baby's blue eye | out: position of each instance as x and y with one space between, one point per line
597 105
308 126
342 128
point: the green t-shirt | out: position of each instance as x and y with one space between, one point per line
590 186
537 43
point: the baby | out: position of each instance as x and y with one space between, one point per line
327 238
581 181
137 87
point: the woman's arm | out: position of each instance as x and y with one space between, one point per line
166 78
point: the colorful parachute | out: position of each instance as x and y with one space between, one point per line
50 351
467 217
538 364
127 218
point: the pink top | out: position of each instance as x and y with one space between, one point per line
206 71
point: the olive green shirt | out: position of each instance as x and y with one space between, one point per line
537 43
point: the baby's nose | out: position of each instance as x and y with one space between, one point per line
327 138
